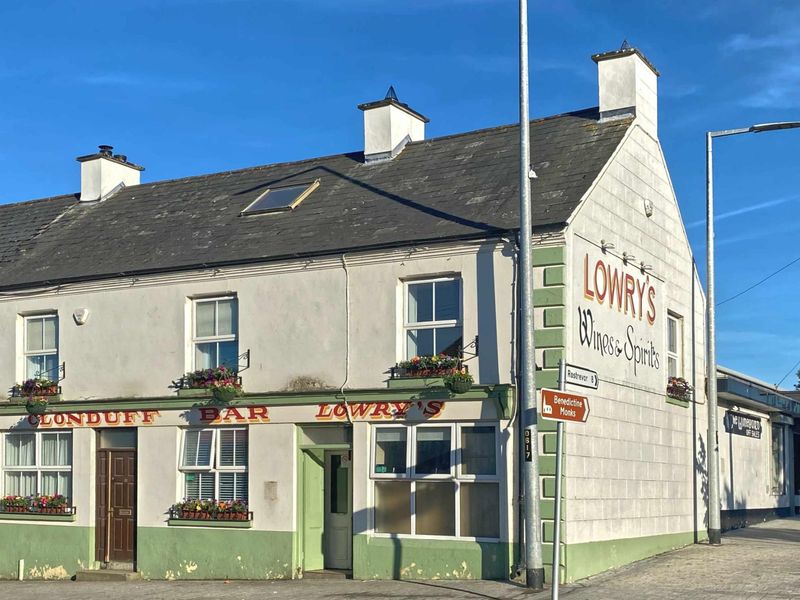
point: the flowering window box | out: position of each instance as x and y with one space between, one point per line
425 371
211 513
220 383
679 391
34 507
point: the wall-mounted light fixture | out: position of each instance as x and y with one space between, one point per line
604 245
627 258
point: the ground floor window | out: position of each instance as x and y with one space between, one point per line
778 460
439 480
37 463
214 464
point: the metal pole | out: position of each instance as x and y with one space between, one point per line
714 528
557 513
534 569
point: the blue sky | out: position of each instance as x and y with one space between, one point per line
185 87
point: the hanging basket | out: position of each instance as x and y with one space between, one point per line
459 386
223 396
36 407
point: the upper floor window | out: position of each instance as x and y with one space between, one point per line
41 347
433 323
674 346
215 333
214 464
37 463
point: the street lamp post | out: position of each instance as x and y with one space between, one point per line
714 525
534 568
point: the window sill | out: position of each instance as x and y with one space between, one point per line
440 538
209 523
678 402
30 516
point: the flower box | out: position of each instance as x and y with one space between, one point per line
679 389
35 388
210 510
220 383
53 510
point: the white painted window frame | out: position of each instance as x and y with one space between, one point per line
44 351
215 468
678 354
407 325
777 490
455 477
196 340
37 458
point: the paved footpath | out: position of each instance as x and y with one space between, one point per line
761 562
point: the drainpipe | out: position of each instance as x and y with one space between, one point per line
347 339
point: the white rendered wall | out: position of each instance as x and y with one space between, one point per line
746 480
292 317
630 469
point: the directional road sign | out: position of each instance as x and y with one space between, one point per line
564 406
580 376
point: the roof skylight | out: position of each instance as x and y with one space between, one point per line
280 199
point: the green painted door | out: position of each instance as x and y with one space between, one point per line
313 509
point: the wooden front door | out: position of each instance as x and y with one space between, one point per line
116 505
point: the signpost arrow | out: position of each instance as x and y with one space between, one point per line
580 376
564 406
561 406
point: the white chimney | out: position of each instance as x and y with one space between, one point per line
388 126
105 173
628 85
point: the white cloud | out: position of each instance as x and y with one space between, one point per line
742 211
122 79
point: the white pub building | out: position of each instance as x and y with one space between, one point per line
311 282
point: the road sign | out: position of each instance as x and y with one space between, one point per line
580 376
564 406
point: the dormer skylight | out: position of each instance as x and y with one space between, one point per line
280 199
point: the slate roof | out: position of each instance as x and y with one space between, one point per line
458 186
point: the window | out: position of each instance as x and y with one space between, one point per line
214 464
674 346
433 317
778 460
437 480
41 347
280 199
37 463
216 324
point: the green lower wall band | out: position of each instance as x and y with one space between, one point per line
584 560
49 551
192 553
58 552
405 558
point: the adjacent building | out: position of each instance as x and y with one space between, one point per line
312 280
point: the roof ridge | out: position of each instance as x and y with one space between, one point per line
316 158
